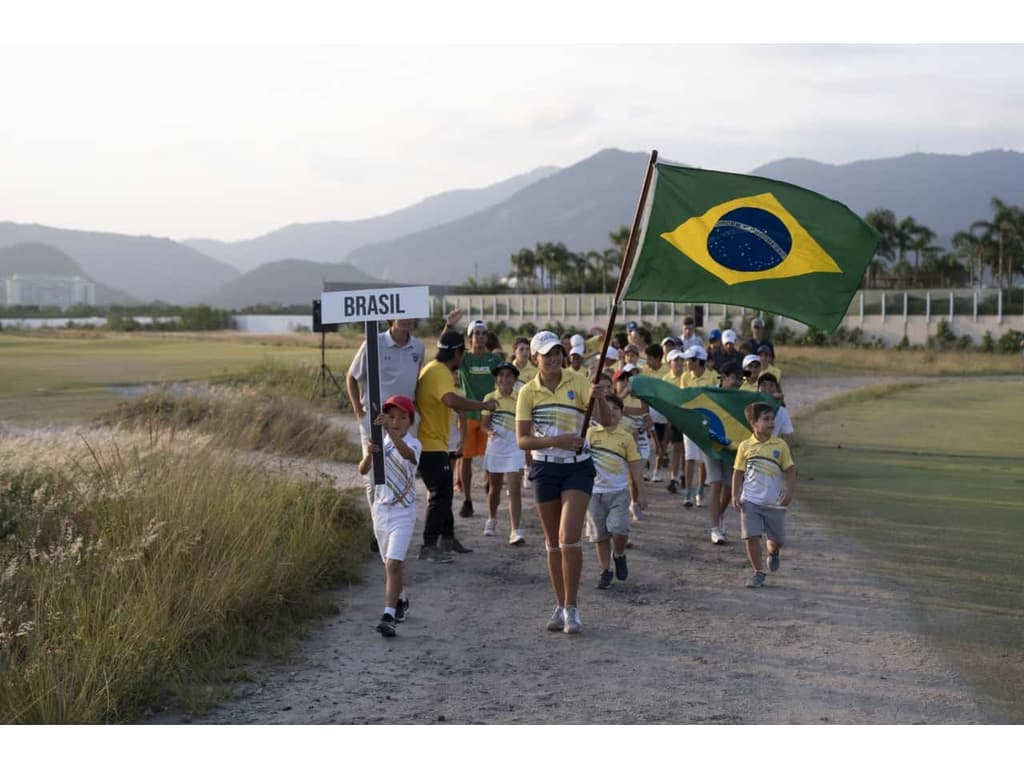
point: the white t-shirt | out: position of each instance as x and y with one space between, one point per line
783 424
399 367
399 489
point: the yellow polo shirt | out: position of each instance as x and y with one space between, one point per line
708 379
613 450
554 413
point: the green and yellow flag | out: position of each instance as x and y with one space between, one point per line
707 236
713 418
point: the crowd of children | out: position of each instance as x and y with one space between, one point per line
593 479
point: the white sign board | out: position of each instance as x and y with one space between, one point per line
377 304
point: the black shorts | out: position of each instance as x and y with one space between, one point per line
550 480
676 435
659 430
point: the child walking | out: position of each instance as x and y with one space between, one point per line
394 503
620 471
765 472
503 458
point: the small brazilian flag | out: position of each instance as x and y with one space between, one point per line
707 236
713 418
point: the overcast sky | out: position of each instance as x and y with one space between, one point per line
233 141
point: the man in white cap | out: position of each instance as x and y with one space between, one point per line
577 349
697 375
730 350
676 369
751 370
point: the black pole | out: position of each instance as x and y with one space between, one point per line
373 403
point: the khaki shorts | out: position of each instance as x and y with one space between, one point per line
757 520
607 514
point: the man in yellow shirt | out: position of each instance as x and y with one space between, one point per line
436 398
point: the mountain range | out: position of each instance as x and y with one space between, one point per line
459 234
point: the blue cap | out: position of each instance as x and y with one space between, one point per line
631 326
715 334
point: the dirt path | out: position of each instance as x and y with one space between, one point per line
682 641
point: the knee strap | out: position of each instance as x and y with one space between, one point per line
574 545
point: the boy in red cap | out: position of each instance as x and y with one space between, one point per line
394 503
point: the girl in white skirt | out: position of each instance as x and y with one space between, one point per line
503 459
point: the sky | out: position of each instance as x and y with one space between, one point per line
204 126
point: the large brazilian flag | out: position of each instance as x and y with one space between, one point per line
713 418
753 242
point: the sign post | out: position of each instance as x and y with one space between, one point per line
370 307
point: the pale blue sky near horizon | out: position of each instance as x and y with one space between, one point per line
234 141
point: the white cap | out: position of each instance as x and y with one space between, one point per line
543 342
669 340
729 336
611 354
697 351
751 359
676 354
476 325
579 345
629 367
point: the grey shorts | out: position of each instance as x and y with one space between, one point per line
717 471
607 514
758 519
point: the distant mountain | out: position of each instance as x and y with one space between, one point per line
578 206
944 192
150 268
42 259
333 240
287 282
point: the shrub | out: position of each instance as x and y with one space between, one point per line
988 344
1010 341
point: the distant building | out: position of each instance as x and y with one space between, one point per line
49 290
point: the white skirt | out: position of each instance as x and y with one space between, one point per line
500 464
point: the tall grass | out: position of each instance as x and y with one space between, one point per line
124 569
256 423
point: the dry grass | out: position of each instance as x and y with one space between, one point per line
129 563
831 361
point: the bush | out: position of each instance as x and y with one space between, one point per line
1010 341
988 344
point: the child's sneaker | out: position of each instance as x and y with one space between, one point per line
700 499
386 625
717 536
621 571
557 621
516 538
773 561
672 487
466 510
401 609
757 580
688 500
606 580
490 527
656 477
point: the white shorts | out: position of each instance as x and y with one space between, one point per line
393 527
717 471
691 450
501 464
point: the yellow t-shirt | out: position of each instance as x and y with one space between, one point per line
763 465
671 378
613 449
554 413
527 372
435 382
775 371
707 379
748 386
503 422
648 371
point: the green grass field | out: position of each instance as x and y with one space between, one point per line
53 378
929 479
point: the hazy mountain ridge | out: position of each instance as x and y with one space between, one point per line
332 241
286 282
150 268
42 259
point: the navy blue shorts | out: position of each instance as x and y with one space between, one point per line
550 480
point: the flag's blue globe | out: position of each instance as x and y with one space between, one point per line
716 429
749 240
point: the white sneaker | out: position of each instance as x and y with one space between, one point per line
573 622
717 536
517 538
557 621
490 526
656 477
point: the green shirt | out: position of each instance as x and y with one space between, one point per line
477 379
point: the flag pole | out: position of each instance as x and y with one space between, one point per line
627 261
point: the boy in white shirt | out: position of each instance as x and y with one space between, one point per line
504 459
394 503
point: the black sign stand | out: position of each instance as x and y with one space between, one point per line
325 372
373 404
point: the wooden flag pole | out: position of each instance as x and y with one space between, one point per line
627 261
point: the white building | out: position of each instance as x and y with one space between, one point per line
49 290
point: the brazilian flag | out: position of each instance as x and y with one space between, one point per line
713 418
708 237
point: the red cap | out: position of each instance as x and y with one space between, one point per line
622 373
402 402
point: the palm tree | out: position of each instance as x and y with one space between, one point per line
524 267
884 221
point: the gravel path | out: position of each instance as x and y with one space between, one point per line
828 640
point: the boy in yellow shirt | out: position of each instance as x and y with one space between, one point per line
763 478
